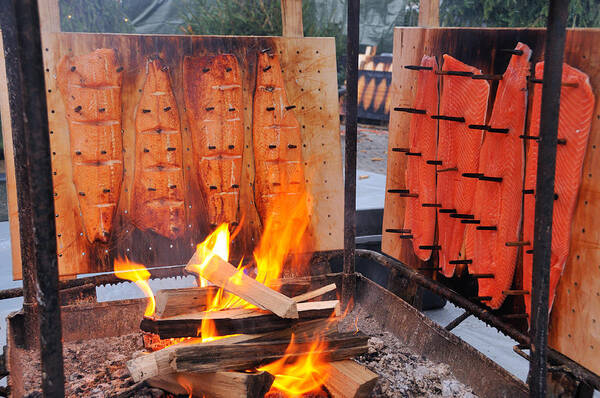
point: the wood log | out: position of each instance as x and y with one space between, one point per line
157 363
225 275
348 379
234 321
205 359
173 302
215 385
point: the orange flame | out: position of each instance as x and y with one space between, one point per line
139 275
302 374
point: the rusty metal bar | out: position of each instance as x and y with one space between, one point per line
40 187
458 320
348 284
544 198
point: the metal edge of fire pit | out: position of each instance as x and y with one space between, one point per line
428 338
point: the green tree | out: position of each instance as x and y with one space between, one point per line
517 13
94 16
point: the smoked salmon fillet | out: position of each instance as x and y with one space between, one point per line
458 151
279 181
90 86
213 98
498 194
574 123
420 176
158 193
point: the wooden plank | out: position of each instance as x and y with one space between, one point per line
348 379
575 317
217 385
203 359
49 11
291 18
235 281
9 164
310 80
157 363
238 320
314 293
429 13
408 50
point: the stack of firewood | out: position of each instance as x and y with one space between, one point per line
227 367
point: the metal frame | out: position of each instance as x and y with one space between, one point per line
23 53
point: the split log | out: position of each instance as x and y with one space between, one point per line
238 320
173 302
225 275
157 363
348 379
216 385
205 359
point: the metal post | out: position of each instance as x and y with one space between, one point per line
37 142
350 155
8 24
544 198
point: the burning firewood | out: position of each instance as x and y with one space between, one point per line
221 273
216 385
238 320
348 379
204 358
172 302
157 363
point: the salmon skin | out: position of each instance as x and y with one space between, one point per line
158 192
213 98
90 86
458 151
420 176
279 181
498 193
574 123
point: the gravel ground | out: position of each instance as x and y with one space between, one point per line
372 149
402 372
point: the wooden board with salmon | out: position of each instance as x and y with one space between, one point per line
213 97
576 309
277 143
158 203
574 121
420 170
147 178
91 90
465 101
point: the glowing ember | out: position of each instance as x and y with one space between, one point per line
139 275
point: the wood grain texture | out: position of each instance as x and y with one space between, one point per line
291 18
9 164
575 318
348 379
310 77
429 13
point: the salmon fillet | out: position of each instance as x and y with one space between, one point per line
213 98
459 148
498 203
90 86
420 176
158 192
574 123
279 181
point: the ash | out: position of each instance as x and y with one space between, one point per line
402 372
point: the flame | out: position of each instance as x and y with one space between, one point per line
139 275
302 374
186 384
